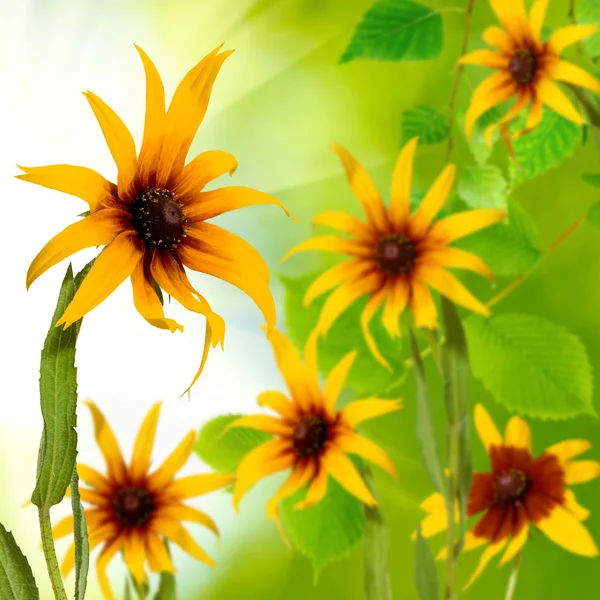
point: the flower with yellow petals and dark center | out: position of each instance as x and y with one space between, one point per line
520 492
154 221
135 510
527 67
311 437
396 255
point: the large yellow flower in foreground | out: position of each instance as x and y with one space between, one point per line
527 67
311 436
134 510
521 493
396 255
153 222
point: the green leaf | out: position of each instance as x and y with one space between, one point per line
480 150
426 435
426 123
544 148
224 452
397 30
58 398
80 535
16 578
328 530
127 592
483 187
87 213
594 215
592 179
158 292
509 248
531 366
426 575
588 13
367 377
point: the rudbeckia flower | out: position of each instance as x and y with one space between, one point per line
396 255
312 437
521 494
153 222
527 67
134 510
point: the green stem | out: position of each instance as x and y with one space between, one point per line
512 581
376 549
451 499
50 555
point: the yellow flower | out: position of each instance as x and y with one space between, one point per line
311 436
395 254
153 222
527 67
134 510
521 492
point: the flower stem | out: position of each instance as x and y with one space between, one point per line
459 72
512 581
50 555
376 549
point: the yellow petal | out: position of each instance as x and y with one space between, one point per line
567 36
537 15
495 36
105 556
455 258
179 535
465 223
511 14
518 434
93 497
94 478
579 512
273 425
330 243
364 189
173 463
364 447
569 449
486 428
489 553
533 119
397 299
197 485
68 562
299 476
515 545
312 371
203 169
332 278
144 442
334 384
520 104
570 73
422 306
361 410
98 229
402 184
62 528
581 471
566 531
342 469
551 95
278 402
135 554
342 221
433 523
181 512
111 268
107 443
365 318
119 141
76 181
158 557
471 543
432 202
485 58
316 491
433 503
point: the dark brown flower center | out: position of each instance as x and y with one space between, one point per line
523 66
133 506
396 254
309 435
510 486
158 218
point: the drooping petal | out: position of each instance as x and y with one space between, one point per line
533 119
402 184
434 523
197 485
109 271
331 243
422 306
497 37
364 189
316 491
518 434
486 428
489 553
342 469
334 384
455 258
334 277
175 532
299 476
485 58
135 554
570 503
569 449
374 303
397 299
465 223
515 545
361 446
361 410
566 531
551 95
581 471
144 442
523 99
342 221
63 527
108 445
98 229
158 557
278 402
119 141
537 15
173 463
76 181
567 36
105 556
472 542
266 423
203 169
181 512
570 73
94 478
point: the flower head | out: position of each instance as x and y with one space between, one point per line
527 67
134 510
154 220
396 255
519 493
312 437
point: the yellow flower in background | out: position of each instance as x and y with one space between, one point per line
396 256
521 493
134 510
312 437
153 222
527 67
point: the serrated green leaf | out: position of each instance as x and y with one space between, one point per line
531 366
16 578
554 140
509 248
326 531
426 434
58 399
426 123
426 575
367 377
397 30
480 150
223 452
80 536
588 13
483 187
592 179
594 215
